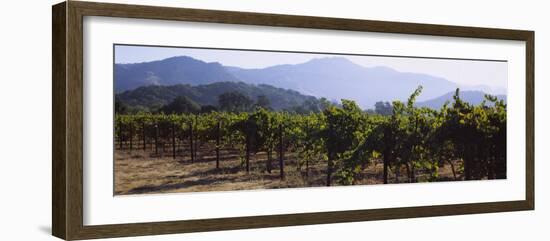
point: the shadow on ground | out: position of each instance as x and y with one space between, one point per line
173 186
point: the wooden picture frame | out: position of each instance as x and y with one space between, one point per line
67 152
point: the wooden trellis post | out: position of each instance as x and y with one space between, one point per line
218 142
281 153
191 142
173 140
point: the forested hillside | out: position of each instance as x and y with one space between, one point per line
153 97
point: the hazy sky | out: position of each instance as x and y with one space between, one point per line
463 72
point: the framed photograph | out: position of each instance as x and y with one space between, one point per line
171 120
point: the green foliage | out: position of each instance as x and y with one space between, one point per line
234 102
343 129
120 107
263 102
383 108
348 139
208 109
180 105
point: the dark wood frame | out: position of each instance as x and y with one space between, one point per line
67 166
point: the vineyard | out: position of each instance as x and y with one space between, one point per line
338 145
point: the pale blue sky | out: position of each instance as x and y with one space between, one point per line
466 73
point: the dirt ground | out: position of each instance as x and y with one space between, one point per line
139 172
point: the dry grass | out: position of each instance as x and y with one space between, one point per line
139 172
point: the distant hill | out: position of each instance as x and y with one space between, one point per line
334 78
485 88
171 71
339 78
472 97
155 96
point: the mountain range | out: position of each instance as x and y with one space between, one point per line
170 71
334 78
